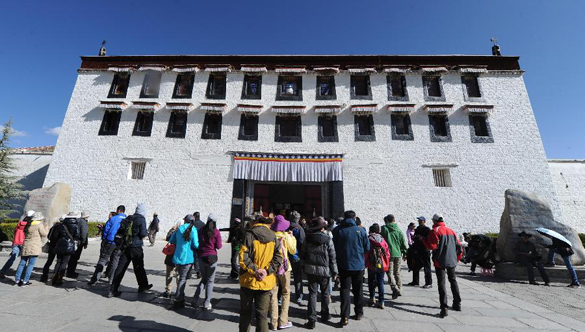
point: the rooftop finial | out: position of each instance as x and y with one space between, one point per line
495 47
103 49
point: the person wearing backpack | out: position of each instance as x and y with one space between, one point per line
108 249
51 244
209 244
186 241
129 240
397 245
83 223
67 238
318 255
17 242
288 245
297 267
377 263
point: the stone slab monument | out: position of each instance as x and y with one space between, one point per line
525 211
52 201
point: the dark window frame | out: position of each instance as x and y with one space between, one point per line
143 116
352 84
323 138
435 138
394 120
480 139
466 92
115 83
287 139
146 83
116 115
244 118
211 85
318 95
171 125
205 134
187 95
403 83
281 96
245 94
426 90
364 138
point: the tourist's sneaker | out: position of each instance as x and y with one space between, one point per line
444 313
144 289
456 306
412 284
574 286
380 305
166 295
207 306
285 326
24 284
371 302
472 273
310 325
427 286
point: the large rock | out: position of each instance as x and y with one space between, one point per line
53 201
525 211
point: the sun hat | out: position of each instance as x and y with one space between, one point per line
84 215
212 216
38 216
437 217
189 218
71 215
30 213
280 224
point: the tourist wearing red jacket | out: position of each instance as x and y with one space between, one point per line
378 263
16 243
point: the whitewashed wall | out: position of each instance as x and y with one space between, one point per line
569 181
380 177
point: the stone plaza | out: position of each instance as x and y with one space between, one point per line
489 304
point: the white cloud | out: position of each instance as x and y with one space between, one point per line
53 131
15 133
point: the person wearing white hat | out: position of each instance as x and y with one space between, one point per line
17 242
34 232
84 229
67 239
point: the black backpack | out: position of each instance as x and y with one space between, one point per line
123 236
377 258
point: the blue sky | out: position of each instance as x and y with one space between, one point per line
42 42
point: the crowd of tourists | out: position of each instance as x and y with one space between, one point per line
269 253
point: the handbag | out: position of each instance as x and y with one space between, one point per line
46 247
169 249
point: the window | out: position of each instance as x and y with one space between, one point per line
439 127
110 123
177 125
397 87
137 170
184 85
328 128
360 87
248 127
433 89
290 88
442 177
143 124
471 86
151 85
401 127
212 126
364 127
480 129
288 129
252 87
216 86
326 88
119 85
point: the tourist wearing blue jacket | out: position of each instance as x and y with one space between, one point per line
351 243
186 241
108 251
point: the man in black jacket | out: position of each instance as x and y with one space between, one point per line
295 261
132 252
84 229
422 256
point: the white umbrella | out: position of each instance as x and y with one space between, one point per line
554 234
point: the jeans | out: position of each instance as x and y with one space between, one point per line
136 256
73 261
49 262
106 251
170 275
234 261
568 264
259 299
353 280
61 265
529 265
376 279
317 283
29 263
394 277
282 282
113 265
207 280
425 260
13 254
450 273
182 271
297 270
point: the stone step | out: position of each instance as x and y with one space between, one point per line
514 271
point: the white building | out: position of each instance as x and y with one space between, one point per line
408 135
569 181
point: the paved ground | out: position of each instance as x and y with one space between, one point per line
487 306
